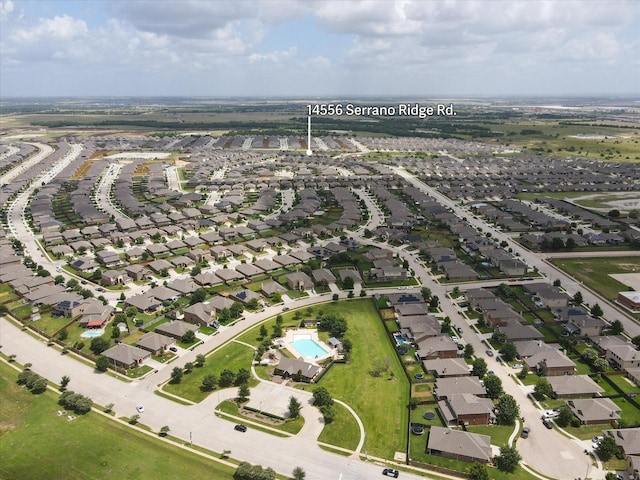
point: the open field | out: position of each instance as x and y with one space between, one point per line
37 444
594 272
354 384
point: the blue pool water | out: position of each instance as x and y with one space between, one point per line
400 340
92 333
308 348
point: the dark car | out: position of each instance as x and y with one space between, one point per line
240 428
173 349
525 432
390 472
547 424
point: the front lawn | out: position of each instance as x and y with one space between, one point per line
499 433
355 384
39 444
343 432
232 356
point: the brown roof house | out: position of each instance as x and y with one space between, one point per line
437 347
627 439
446 387
289 367
574 386
466 409
550 363
594 410
623 357
201 313
155 343
175 329
299 281
126 356
459 445
447 367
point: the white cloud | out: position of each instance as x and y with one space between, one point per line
6 8
277 56
57 28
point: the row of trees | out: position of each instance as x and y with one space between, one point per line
32 381
76 402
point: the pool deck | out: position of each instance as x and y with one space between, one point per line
313 335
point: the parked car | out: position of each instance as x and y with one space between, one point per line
547 424
240 428
140 408
390 472
173 349
525 432
285 309
490 353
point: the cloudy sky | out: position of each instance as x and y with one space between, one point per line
319 47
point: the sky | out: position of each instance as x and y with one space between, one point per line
319 48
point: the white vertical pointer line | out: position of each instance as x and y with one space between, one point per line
309 152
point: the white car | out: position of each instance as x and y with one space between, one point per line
551 414
140 408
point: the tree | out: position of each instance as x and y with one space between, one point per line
596 310
616 327
321 397
115 331
347 345
243 393
600 364
195 271
557 282
63 334
176 375
335 325
134 419
577 298
509 352
58 279
589 355
335 297
327 414
347 283
565 415
614 213
236 309
209 382
198 296
98 345
298 474
434 302
102 363
188 337
242 376
508 410
200 359
164 431
479 368
493 385
543 388
607 448
226 378
276 297
636 341
557 243
263 331
508 459
426 293
188 367
294 407
478 472
64 382
570 244
468 351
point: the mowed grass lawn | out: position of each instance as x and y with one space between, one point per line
595 272
232 356
37 444
380 402
343 432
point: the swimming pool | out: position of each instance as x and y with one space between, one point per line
308 348
92 333
400 340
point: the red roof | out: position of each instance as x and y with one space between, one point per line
95 323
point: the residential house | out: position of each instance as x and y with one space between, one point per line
623 357
516 332
289 367
627 439
447 367
550 363
437 347
155 343
447 386
114 277
201 313
459 445
175 329
126 356
244 296
594 410
466 409
299 281
574 386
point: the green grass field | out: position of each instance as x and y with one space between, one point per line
381 402
594 272
343 432
37 444
232 356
